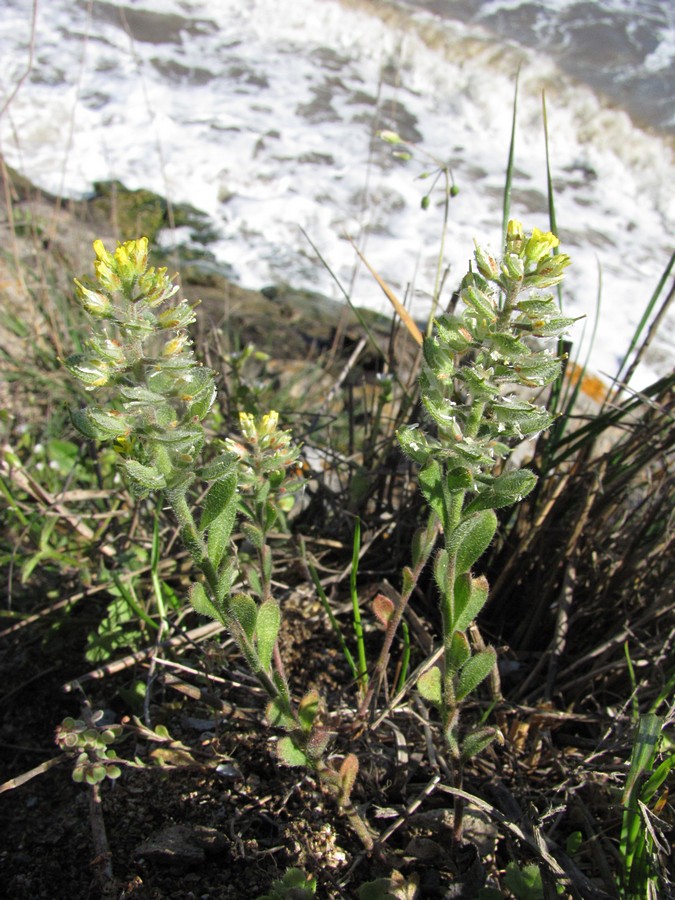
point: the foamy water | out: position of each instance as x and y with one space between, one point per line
263 113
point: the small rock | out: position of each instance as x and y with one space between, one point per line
182 846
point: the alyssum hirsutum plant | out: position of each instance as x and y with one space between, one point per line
154 396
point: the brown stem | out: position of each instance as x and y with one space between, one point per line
102 855
392 626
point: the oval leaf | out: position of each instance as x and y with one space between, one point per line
471 539
269 621
474 671
202 604
429 685
289 754
245 611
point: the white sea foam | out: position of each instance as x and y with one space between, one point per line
262 113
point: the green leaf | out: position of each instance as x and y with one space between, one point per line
555 327
408 581
217 469
217 500
253 534
431 485
505 490
202 604
278 716
453 332
108 423
225 579
245 611
474 671
138 394
478 383
460 479
149 478
538 371
308 709
474 743
537 307
269 621
460 651
81 421
508 346
520 419
220 527
429 686
525 883
183 437
441 573
480 301
471 539
289 754
470 597
414 443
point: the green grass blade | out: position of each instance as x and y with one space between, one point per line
358 627
643 322
510 164
632 845
335 625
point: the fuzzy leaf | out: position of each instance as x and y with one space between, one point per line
505 490
317 742
219 468
383 608
348 772
225 579
245 611
431 485
217 500
453 332
81 421
441 573
471 539
429 685
459 479
555 327
414 443
180 438
253 534
538 371
476 742
408 581
289 754
267 627
460 652
138 394
478 383
480 301
520 419
220 527
308 709
474 671
148 478
277 715
202 604
108 423
470 597
509 346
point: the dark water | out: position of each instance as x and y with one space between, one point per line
623 49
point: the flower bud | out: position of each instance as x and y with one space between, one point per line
95 303
487 265
515 237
